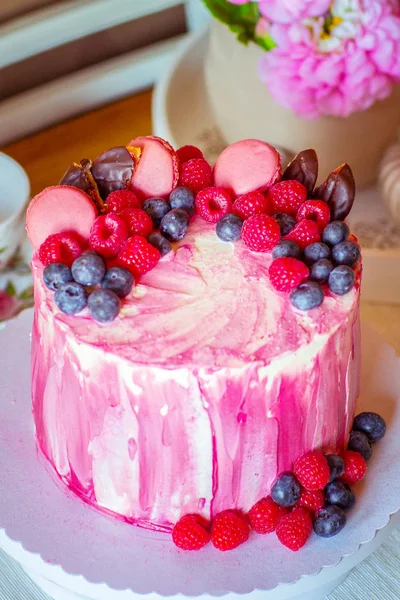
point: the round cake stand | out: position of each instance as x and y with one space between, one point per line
182 114
74 551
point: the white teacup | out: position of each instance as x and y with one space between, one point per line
14 195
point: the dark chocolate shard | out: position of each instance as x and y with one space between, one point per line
113 170
303 168
339 191
79 175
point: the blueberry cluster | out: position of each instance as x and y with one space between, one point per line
331 262
170 217
78 286
368 428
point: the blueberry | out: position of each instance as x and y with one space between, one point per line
315 252
118 280
321 270
286 490
104 305
174 225
285 222
307 295
55 275
229 228
183 197
158 241
359 442
335 232
329 521
336 466
71 298
286 248
340 494
371 424
156 208
346 253
341 280
89 269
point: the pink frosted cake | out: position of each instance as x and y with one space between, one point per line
235 350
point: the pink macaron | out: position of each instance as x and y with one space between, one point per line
248 166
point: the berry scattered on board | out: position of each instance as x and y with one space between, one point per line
190 533
316 496
265 515
229 530
294 529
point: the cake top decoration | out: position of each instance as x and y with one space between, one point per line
111 221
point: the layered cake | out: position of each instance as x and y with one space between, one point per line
196 330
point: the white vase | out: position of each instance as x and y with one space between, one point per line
244 108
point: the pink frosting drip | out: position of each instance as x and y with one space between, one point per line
205 388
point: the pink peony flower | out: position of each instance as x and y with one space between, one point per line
314 73
287 11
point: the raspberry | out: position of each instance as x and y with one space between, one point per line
138 256
355 467
120 200
312 501
186 153
59 248
312 470
137 221
196 174
229 530
253 203
287 196
294 529
261 233
190 534
213 203
287 273
304 233
265 514
108 234
315 210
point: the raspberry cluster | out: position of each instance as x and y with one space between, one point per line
127 240
312 251
314 496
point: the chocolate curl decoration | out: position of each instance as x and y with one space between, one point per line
79 175
113 170
303 168
339 191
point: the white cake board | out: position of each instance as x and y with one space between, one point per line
182 114
74 551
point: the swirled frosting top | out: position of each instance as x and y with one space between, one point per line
209 303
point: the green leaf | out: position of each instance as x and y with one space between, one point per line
3 249
26 294
10 289
241 19
232 14
265 42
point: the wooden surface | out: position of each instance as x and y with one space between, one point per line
47 154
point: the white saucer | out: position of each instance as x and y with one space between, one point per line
70 548
182 114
